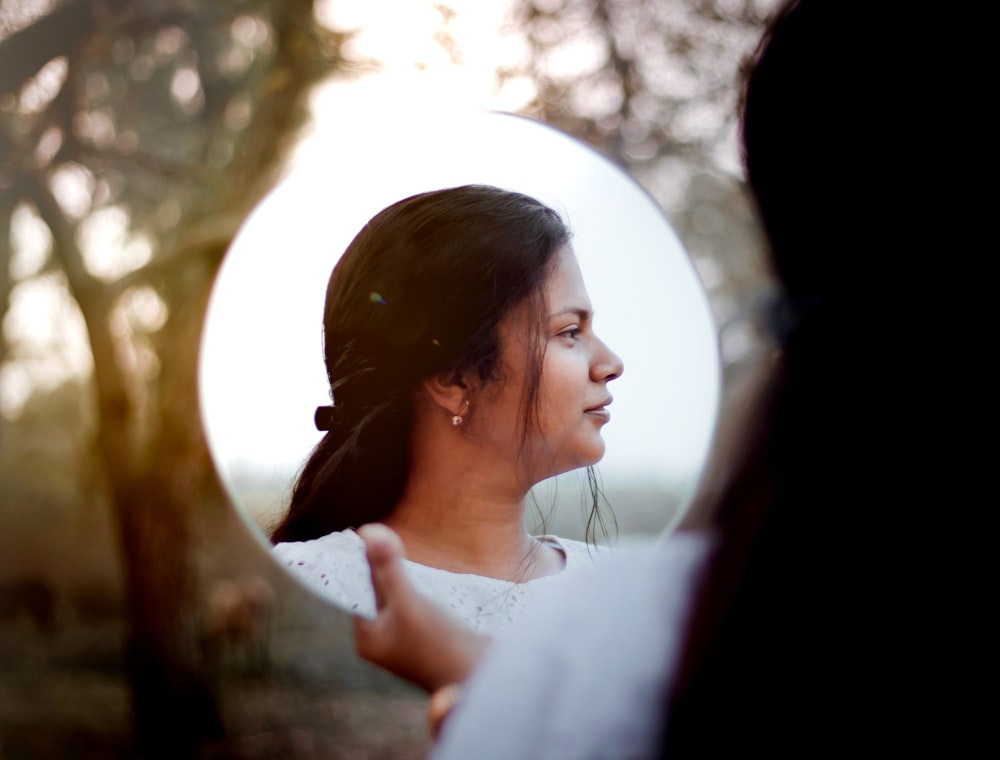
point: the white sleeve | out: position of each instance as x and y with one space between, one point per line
334 567
587 673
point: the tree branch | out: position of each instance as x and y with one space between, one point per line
26 51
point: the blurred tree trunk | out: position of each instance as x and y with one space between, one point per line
203 102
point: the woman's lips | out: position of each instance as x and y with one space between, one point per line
600 411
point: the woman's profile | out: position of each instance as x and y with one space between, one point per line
464 369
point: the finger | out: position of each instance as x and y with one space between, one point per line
365 634
385 553
381 540
373 641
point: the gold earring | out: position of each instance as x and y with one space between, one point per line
457 419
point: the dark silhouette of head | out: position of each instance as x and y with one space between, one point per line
821 124
792 646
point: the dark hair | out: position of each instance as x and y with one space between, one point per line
790 641
419 292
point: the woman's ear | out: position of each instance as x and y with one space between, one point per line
450 391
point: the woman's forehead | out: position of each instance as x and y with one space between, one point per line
565 289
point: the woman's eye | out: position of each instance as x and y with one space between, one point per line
572 333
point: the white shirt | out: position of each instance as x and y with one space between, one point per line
588 673
335 567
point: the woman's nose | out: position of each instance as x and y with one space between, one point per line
607 364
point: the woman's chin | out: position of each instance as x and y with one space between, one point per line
583 456
592 456
599 450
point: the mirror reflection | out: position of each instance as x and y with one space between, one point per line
475 333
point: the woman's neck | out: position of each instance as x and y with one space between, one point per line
465 523
462 508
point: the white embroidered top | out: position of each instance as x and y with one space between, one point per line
336 568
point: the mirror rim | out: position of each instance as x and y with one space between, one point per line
454 124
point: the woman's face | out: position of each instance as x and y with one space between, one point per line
573 395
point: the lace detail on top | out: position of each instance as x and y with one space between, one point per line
335 566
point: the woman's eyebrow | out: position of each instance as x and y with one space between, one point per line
579 311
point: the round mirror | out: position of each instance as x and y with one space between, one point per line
262 373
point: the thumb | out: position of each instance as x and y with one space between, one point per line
384 550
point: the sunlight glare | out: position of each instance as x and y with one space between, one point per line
31 242
47 340
109 251
429 60
73 187
44 86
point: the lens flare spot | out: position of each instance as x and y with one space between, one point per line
436 342
376 297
